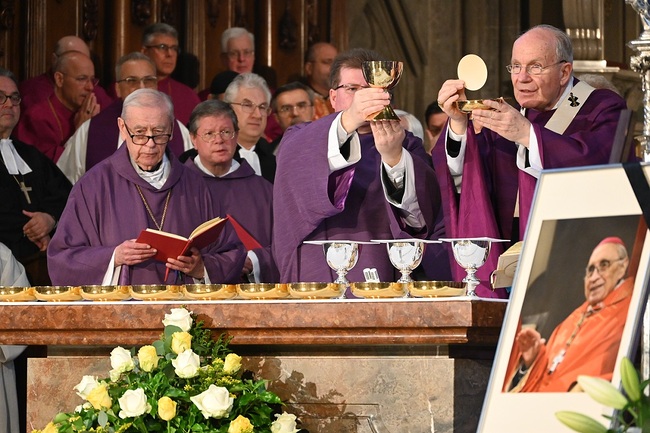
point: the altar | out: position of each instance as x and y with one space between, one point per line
406 365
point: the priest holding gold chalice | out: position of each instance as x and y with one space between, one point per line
488 161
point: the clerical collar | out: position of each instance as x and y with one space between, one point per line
156 178
234 165
14 163
564 96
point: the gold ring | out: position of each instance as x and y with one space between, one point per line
87 111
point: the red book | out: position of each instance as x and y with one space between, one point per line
250 243
172 245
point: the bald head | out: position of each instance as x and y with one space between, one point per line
74 78
69 43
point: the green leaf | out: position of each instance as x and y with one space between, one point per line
102 418
603 392
160 347
630 380
579 422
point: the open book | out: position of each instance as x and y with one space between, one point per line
172 245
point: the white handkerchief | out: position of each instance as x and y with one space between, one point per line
14 163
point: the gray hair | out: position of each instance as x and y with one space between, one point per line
250 81
7 73
131 57
158 29
563 45
234 32
211 108
294 85
149 98
413 124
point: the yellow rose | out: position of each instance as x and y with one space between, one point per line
166 408
181 341
50 428
99 397
232 363
148 358
240 425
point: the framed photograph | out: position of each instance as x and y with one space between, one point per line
583 267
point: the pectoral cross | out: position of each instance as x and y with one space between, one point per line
574 100
25 189
556 361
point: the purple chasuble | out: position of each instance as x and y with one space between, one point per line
103 134
309 203
46 125
248 198
491 178
184 98
105 209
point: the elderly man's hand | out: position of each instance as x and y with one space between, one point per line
43 242
191 265
450 92
365 102
40 224
389 136
131 252
530 342
505 120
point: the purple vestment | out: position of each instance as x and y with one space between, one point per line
46 125
491 178
34 90
103 134
309 203
248 198
184 98
104 209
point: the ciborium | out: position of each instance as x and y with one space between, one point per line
385 75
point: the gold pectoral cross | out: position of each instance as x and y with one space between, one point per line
25 189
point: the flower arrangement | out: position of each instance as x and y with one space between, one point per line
633 407
184 382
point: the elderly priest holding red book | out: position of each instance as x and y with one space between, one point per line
140 186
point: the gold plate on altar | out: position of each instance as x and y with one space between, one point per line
475 104
262 291
16 294
57 293
155 292
437 289
316 290
379 290
105 293
209 291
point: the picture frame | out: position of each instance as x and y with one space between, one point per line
573 210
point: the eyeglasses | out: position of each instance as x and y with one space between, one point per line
82 80
602 266
149 81
141 139
534 69
288 109
350 88
165 47
249 107
15 99
232 55
211 137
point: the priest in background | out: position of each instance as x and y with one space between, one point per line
50 122
33 190
97 138
142 185
587 341
242 194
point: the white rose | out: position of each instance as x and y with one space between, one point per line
81 407
133 403
87 384
121 360
214 402
285 423
179 317
187 364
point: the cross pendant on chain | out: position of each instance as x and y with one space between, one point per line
556 361
25 189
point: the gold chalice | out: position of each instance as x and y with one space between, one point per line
385 75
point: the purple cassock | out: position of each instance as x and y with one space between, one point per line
310 203
105 209
183 97
491 178
248 198
103 135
